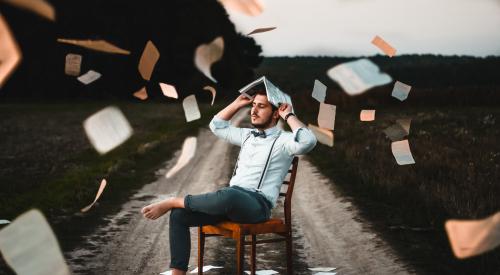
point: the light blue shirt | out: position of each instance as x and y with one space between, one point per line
255 152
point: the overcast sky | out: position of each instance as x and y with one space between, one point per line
346 27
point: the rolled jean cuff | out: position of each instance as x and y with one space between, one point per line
183 268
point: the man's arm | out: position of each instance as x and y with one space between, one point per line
221 126
303 139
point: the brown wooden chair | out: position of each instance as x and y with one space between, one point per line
238 231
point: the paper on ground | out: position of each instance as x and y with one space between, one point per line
96 45
73 64
322 269
324 136
207 54
212 91
367 115
263 272
142 94
29 246
168 90
473 237
326 116
191 109
356 77
205 268
4 221
97 196
187 153
402 153
261 30
89 77
149 58
401 91
10 54
319 91
107 129
168 272
248 7
40 7
384 46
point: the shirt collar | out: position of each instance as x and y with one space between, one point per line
270 131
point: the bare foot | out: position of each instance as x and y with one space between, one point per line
156 210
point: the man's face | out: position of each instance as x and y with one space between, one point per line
262 113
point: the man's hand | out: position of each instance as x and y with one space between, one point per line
228 112
242 101
284 110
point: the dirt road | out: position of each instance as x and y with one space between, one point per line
327 229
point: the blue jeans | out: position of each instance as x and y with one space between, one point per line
229 203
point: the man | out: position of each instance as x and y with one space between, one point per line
265 157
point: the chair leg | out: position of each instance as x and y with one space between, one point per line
240 253
289 265
201 250
252 259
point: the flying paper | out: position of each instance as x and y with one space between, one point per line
263 272
73 64
99 192
191 108
473 237
384 46
212 91
40 7
188 152
148 60
207 54
274 95
107 129
261 30
4 221
323 269
10 55
96 45
399 130
358 76
319 91
401 91
142 94
402 153
29 246
323 136
248 7
89 77
367 115
326 116
169 90
205 268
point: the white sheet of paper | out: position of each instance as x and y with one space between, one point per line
73 64
4 221
107 129
207 54
384 46
261 30
191 109
97 196
168 272
473 237
402 153
247 7
212 91
149 58
187 153
29 246
326 116
319 91
40 7
322 269
142 94
263 272
168 90
356 77
205 268
89 77
401 91
96 45
324 136
367 115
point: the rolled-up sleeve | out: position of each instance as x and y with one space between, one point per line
302 143
223 129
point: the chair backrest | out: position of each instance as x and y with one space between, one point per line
288 195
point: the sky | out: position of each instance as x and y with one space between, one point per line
346 27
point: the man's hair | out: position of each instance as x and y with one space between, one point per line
264 93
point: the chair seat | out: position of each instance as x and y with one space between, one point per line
230 228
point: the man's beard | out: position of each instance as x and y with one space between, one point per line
265 124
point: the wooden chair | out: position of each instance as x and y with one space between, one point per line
238 231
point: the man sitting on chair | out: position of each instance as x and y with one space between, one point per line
265 157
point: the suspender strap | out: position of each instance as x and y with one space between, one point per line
241 148
267 162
